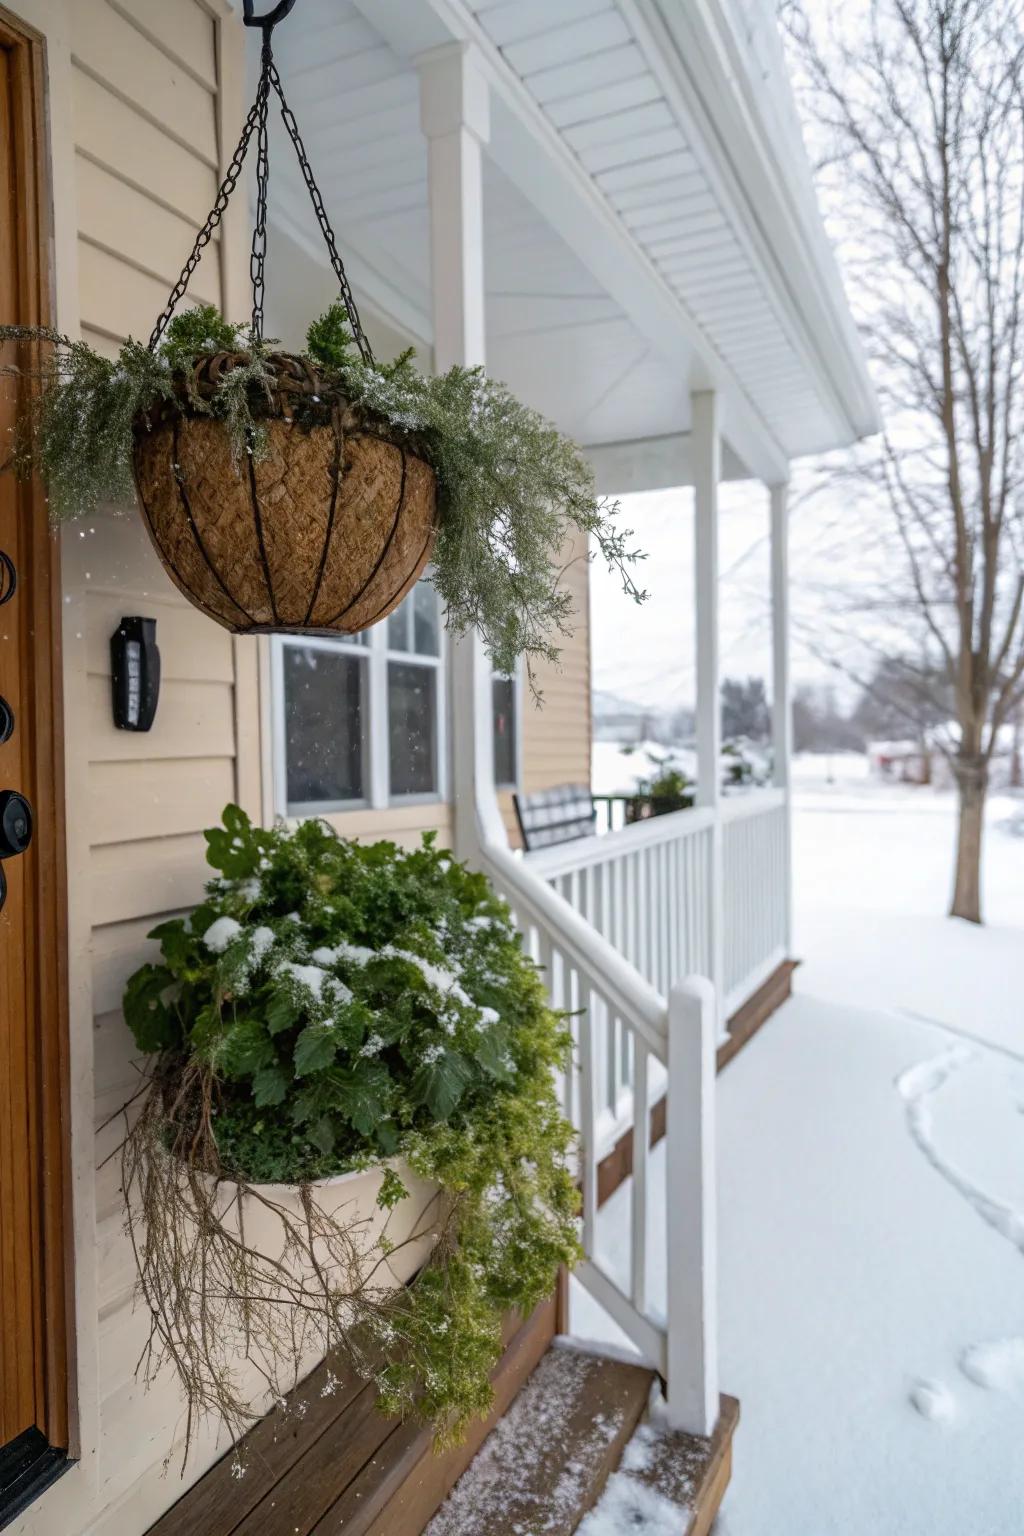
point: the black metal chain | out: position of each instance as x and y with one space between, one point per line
288 118
205 235
258 256
256 123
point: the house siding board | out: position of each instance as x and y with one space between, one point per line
556 737
397 823
147 147
146 76
115 136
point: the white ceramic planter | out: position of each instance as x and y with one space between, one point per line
260 1218
351 1199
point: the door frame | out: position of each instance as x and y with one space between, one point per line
41 593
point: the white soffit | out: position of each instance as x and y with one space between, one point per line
654 290
609 77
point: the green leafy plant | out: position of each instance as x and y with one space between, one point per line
512 490
744 764
334 1006
668 789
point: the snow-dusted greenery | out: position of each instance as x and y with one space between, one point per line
511 488
330 1006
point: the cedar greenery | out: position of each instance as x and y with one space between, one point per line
334 1006
512 489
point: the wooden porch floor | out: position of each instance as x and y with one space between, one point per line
337 1467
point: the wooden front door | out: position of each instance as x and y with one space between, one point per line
33 1349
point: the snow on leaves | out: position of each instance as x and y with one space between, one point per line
361 991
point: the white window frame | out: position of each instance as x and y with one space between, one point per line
516 678
376 655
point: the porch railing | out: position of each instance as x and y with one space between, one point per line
668 1038
645 889
755 890
648 890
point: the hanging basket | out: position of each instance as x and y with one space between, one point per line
327 527
323 532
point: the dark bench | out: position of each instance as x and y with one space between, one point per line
559 815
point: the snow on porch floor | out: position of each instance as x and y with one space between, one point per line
871 1189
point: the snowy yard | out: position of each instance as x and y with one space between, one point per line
871 1185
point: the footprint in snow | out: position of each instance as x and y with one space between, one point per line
918 1086
997 1365
933 1401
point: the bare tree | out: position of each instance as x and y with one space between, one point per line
917 109
745 709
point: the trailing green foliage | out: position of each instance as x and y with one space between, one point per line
514 493
333 1005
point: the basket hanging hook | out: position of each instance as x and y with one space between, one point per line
271 19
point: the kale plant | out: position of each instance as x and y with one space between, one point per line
334 1006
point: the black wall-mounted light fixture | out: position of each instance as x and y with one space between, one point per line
135 668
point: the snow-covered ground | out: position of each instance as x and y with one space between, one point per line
617 769
871 1190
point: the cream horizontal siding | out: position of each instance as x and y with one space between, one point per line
107 44
147 148
404 824
557 732
113 135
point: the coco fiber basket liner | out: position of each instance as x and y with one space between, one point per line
324 531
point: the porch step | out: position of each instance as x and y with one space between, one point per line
667 1482
576 1453
547 1461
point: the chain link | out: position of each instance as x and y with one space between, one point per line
205 235
256 122
258 256
288 118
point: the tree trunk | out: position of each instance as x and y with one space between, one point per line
972 787
926 763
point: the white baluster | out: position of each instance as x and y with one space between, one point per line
641 1152
588 1118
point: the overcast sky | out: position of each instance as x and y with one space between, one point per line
646 654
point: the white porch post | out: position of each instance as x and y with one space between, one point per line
782 704
707 466
455 116
692 1365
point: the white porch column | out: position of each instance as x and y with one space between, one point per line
691 1213
455 115
707 472
782 703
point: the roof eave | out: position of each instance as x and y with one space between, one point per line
763 174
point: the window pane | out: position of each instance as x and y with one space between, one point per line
324 713
426 619
412 709
398 627
504 730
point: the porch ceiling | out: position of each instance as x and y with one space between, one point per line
626 263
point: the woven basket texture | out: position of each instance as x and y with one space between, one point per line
325 533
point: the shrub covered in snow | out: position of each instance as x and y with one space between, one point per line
332 1005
